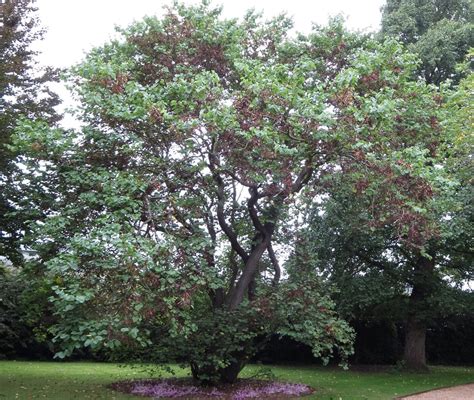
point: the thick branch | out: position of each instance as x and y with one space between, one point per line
251 203
234 269
303 177
229 232
210 225
236 178
182 220
276 265
222 222
248 273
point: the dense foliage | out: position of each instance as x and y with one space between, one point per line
440 32
200 135
382 277
386 276
24 91
25 316
210 151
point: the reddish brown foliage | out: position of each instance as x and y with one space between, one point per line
164 63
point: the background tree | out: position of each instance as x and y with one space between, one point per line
381 275
24 92
439 31
24 316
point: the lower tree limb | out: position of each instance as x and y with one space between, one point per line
248 274
276 265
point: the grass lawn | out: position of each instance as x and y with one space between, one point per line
84 380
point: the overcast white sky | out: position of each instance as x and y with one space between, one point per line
74 26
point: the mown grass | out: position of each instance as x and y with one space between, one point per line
85 380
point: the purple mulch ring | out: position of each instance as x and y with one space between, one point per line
184 388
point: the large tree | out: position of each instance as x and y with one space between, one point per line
380 272
200 133
408 278
24 92
439 31
203 138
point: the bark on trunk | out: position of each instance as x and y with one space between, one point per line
228 374
415 339
231 372
414 353
248 273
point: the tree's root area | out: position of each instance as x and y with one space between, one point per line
184 388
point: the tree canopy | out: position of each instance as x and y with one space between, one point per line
24 91
204 141
439 31
354 236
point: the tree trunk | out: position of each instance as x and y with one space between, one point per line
231 372
250 269
414 353
228 374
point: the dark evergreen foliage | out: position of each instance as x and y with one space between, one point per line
24 92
